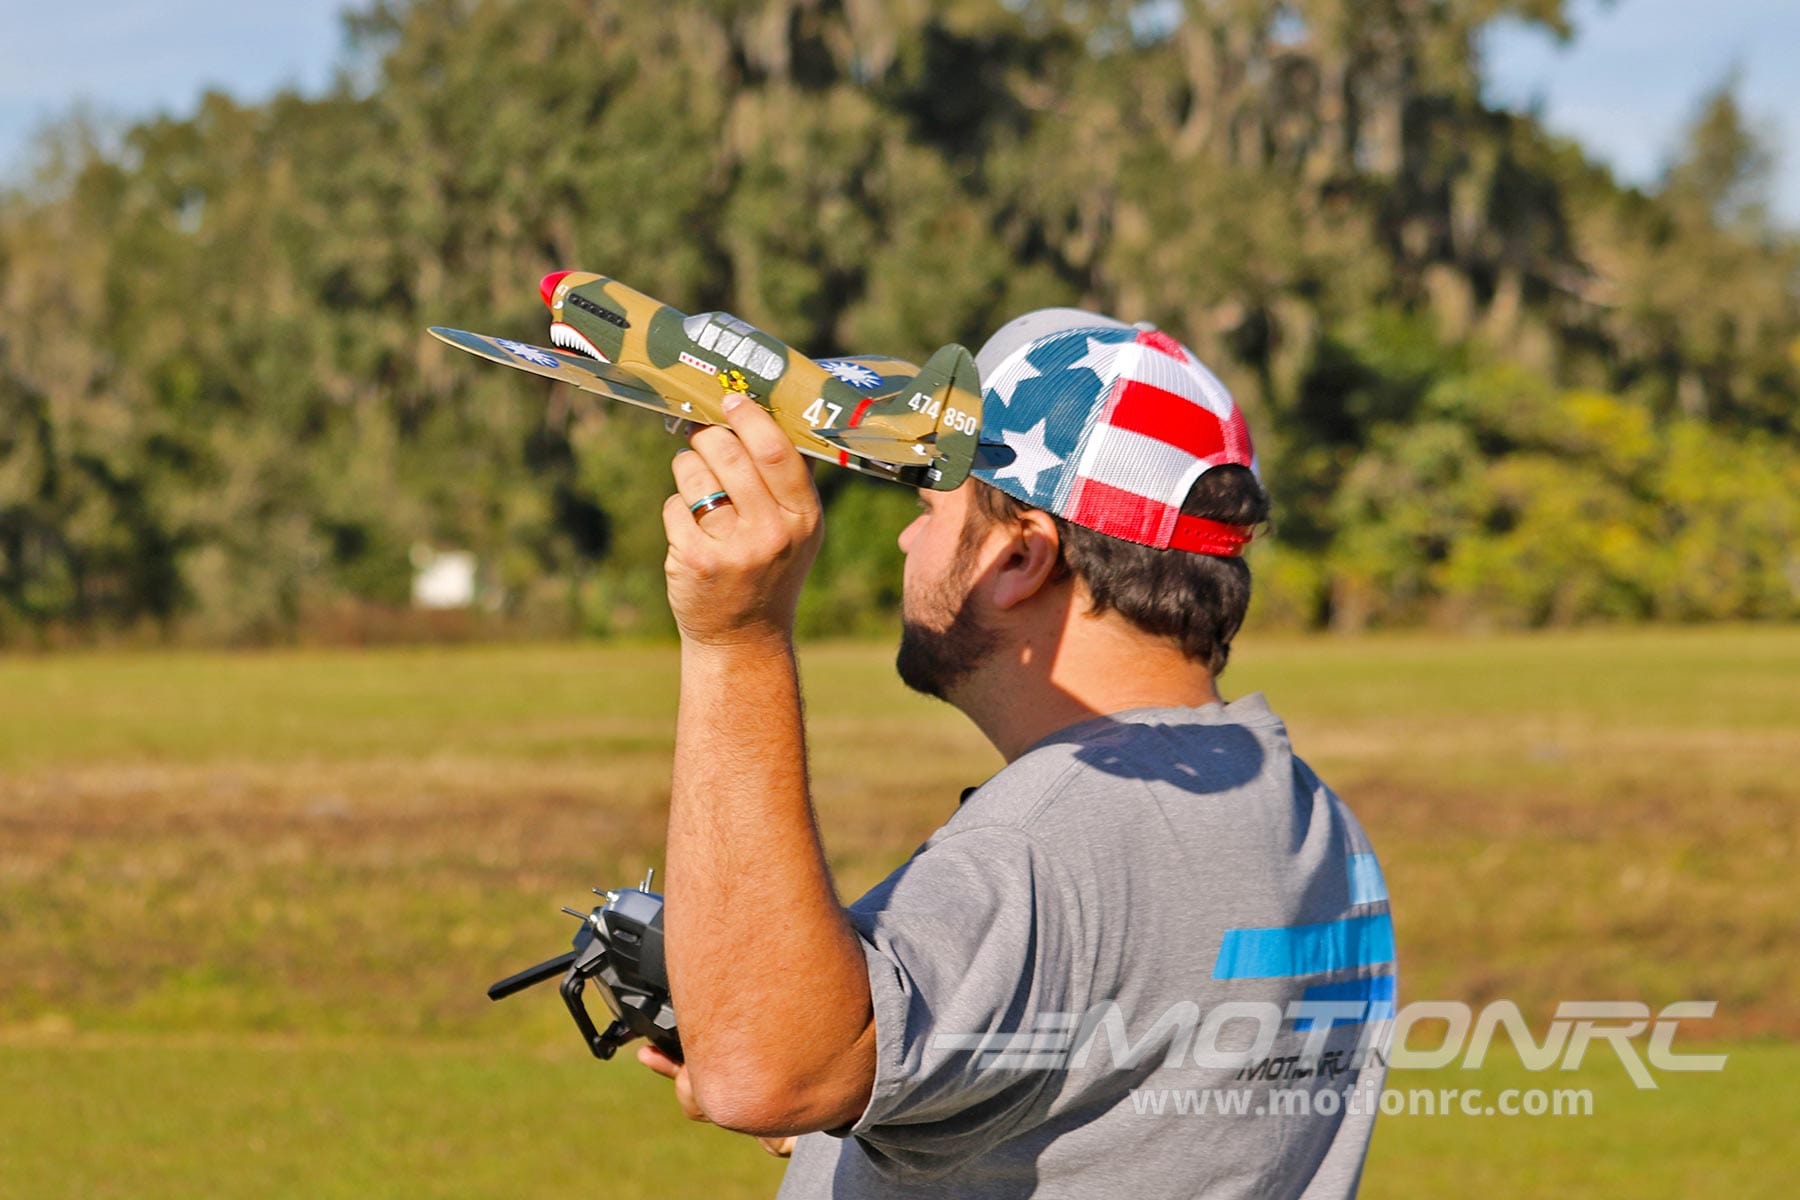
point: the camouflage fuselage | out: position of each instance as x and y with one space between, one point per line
697 361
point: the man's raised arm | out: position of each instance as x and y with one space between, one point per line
768 977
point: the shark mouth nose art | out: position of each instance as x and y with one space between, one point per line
570 338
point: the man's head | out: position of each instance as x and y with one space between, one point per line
1115 479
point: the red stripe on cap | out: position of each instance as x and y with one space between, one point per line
1198 535
1146 409
1118 513
1134 518
1158 340
1237 440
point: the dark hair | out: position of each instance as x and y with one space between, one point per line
1195 600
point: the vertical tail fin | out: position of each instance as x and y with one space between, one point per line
949 385
936 415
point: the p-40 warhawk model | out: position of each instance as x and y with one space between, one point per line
870 413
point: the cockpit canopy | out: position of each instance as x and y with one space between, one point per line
737 342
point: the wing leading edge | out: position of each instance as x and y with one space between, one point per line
590 375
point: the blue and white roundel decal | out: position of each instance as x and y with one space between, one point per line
531 354
854 374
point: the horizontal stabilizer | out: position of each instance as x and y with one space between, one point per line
890 429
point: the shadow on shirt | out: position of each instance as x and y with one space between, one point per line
1198 757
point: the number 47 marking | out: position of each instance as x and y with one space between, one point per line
815 413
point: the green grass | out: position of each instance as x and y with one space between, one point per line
241 1118
583 701
312 1119
1725 1134
248 903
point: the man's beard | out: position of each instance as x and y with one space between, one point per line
934 661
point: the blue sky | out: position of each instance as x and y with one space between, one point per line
1637 70
1624 88
131 58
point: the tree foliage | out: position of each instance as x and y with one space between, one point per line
1489 383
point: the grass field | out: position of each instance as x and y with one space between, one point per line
249 903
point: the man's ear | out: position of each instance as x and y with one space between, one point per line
1029 563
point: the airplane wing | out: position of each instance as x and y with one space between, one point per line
590 375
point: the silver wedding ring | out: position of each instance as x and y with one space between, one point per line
706 504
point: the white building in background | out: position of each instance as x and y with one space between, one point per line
443 579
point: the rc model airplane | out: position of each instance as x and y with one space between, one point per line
873 414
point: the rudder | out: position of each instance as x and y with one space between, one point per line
949 390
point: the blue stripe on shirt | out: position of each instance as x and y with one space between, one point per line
1376 993
1305 949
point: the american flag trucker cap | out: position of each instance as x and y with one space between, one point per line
1107 425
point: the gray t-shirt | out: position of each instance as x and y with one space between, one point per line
1082 982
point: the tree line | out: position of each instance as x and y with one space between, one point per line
1490 384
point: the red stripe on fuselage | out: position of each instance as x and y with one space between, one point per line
855 420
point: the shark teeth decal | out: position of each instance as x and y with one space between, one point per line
571 338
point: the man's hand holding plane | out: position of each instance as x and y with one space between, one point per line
735 569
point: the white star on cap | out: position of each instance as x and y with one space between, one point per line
1101 358
1010 379
1031 457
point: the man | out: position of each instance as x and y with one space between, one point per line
1153 895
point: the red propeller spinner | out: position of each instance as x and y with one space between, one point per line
547 285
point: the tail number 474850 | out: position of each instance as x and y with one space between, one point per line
955 419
